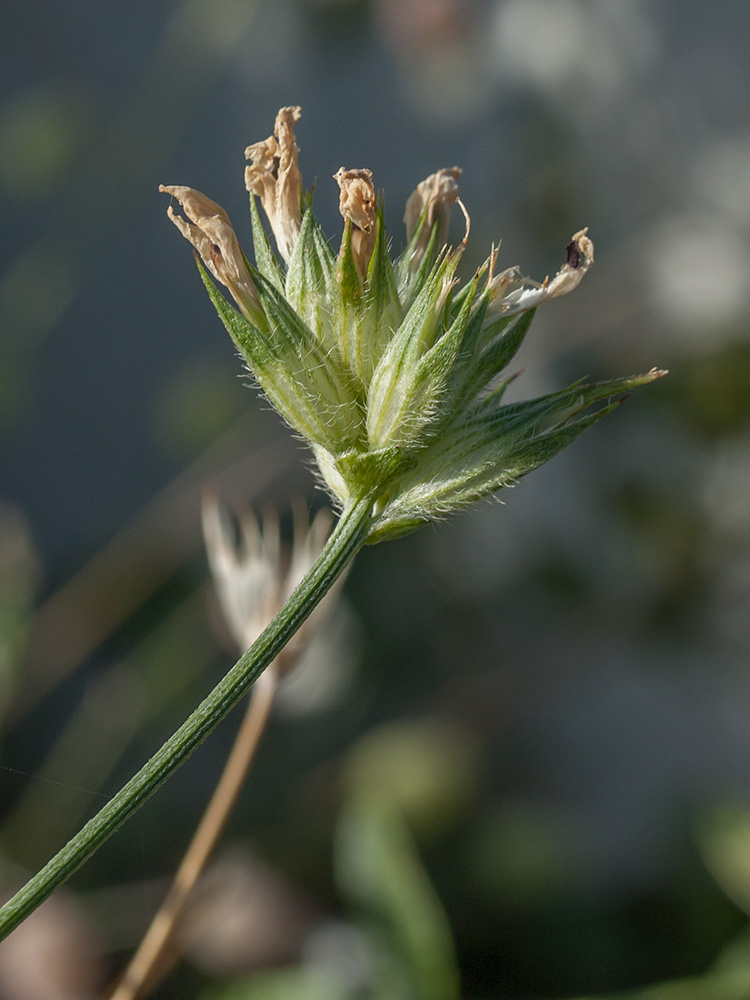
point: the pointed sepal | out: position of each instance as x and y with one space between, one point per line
313 398
311 280
489 450
404 390
265 259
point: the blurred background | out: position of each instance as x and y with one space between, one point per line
552 696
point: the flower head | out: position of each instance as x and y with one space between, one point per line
388 368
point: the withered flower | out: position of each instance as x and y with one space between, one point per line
212 235
358 204
511 293
274 177
431 202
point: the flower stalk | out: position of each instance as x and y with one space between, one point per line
346 539
146 963
253 580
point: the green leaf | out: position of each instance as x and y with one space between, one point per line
489 473
410 281
459 386
316 366
556 407
347 305
379 872
497 354
380 305
365 472
492 447
350 283
424 391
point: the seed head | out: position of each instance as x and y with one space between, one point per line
254 575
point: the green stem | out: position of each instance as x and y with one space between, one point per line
347 537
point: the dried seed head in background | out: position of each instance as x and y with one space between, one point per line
255 575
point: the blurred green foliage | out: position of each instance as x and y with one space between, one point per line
195 408
19 581
710 393
42 133
405 950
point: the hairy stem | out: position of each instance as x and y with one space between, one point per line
348 536
144 965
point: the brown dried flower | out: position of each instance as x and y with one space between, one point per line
511 293
212 235
274 176
357 204
435 196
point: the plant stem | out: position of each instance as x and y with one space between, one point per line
346 539
138 976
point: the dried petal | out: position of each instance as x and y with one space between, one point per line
435 196
211 233
357 205
511 293
274 176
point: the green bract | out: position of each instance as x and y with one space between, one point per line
389 370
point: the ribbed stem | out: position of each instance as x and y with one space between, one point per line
137 977
347 537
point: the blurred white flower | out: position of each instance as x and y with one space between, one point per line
243 915
254 576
